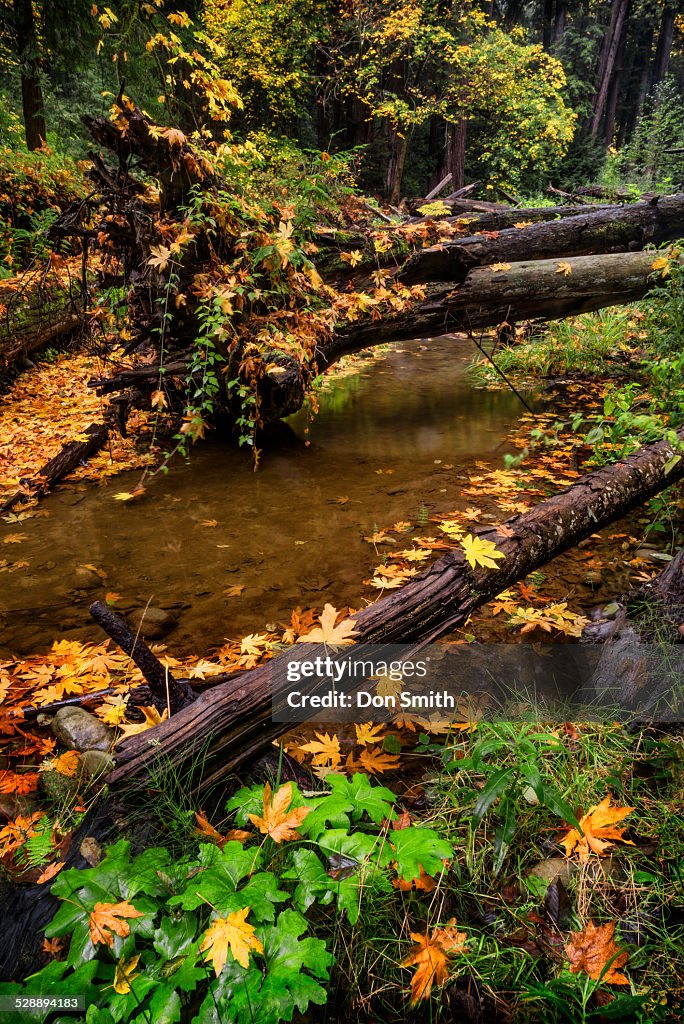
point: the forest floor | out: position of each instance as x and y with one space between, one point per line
540 926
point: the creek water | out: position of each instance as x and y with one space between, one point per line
390 442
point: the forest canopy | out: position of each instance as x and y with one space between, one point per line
517 94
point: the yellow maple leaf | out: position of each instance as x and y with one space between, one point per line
232 932
353 258
480 552
277 821
661 263
367 733
112 710
564 268
430 958
599 828
106 918
152 718
125 973
497 267
328 633
66 763
325 750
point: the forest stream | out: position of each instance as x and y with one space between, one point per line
388 443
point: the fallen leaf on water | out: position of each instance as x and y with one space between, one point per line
594 952
325 750
328 633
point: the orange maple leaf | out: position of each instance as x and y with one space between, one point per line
50 871
106 916
429 956
277 822
207 831
594 952
598 826
424 883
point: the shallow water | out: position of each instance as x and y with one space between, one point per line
282 533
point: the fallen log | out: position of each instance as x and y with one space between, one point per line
234 719
35 311
487 298
166 690
623 228
69 458
490 297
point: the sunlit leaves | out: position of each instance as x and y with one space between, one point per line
599 831
109 919
329 633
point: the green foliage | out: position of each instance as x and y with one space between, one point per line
175 902
504 789
647 159
33 189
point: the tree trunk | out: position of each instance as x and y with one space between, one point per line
614 94
621 228
29 63
662 57
619 12
456 149
488 298
233 721
395 165
560 21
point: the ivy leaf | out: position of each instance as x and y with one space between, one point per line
232 932
217 884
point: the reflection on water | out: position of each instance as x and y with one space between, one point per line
386 443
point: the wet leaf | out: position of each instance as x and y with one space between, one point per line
593 951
